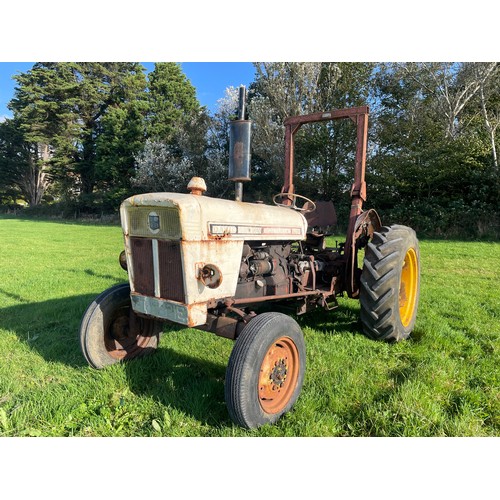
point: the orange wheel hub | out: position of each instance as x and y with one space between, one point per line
278 375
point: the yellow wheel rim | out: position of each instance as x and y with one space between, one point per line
408 288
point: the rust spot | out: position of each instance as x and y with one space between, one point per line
218 241
219 237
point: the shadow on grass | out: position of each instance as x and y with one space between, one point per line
92 273
343 319
49 328
191 384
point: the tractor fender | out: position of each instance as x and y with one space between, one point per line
367 223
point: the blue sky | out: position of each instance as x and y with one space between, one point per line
209 78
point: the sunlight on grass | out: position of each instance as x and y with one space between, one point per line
443 381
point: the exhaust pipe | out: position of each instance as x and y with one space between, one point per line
239 147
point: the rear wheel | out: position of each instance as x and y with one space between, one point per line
390 284
265 372
110 331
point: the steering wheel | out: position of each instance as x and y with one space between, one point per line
294 197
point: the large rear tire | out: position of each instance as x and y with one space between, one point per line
111 332
265 372
390 284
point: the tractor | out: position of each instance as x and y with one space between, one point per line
237 269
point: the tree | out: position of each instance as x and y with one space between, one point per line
171 101
217 150
121 135
102 87
452 85
64 105
41 114
183 139
489 98
159 168
169 167
324 158
22 164
428 169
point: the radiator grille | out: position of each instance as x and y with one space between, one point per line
171 275
168 220
170 272
142 264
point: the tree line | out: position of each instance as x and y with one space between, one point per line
84 136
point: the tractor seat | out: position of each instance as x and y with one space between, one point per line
322 221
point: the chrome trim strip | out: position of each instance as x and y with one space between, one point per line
156 267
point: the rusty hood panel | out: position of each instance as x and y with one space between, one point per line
203 218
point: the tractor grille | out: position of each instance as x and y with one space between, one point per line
142 263
168 278
171 275
169 226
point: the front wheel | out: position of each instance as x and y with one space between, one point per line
110 331
390 284
265 372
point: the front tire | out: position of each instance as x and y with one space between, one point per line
390 284
265 372
111 332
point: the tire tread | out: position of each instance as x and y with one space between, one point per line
379 285
241 366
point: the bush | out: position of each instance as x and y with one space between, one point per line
452 219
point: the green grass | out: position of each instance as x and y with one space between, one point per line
444 381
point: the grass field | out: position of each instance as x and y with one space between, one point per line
444 381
